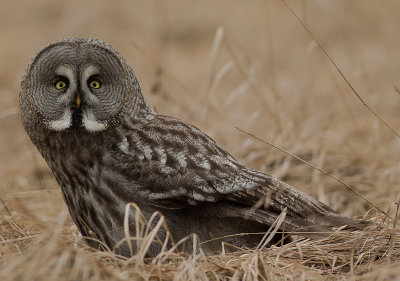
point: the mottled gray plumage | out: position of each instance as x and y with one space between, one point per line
107 147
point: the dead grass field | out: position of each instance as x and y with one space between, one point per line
262 73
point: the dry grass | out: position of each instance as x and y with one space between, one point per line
262 73
343 255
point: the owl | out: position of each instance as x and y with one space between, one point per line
83 109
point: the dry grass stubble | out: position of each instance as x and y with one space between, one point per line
342 255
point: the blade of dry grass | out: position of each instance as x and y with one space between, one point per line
340 72
316 168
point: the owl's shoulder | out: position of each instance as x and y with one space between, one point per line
172 158
170 149
173 136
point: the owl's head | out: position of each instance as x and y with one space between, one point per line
79 83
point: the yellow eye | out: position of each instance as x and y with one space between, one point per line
95 84
60 84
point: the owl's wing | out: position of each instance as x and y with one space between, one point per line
174 164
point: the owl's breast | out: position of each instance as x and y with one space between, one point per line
77 162
93 192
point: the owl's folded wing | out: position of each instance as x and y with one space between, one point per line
189 168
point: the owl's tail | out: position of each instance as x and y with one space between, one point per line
314 227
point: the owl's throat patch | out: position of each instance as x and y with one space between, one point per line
84 117
78 118
76 121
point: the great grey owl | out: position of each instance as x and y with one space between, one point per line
83 108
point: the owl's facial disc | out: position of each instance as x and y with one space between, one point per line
78 86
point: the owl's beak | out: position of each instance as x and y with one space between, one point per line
78 101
